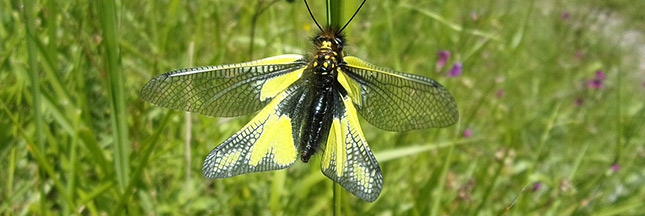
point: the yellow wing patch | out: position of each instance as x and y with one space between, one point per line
348 159
278 84
359 63
353 89
223 90
265 143
335 149
275 141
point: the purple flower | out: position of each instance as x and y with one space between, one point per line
500 93
600 74
578 54
468 132
578 101
537 186
615 167
473 15
443 58
565 15
595 83
455 70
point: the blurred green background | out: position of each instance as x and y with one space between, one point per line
551 98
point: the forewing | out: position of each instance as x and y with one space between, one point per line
397 101
224 90
347 158
268 142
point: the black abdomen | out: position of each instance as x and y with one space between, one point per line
317 123
318 116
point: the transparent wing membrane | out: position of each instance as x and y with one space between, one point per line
225 90
397 101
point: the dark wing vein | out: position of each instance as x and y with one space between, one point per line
252 149
223 90
397 101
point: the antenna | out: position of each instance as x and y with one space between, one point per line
350 19
312 15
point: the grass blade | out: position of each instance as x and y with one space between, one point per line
442 181
397 153
35 90
107 15
449 24
45 167
188 126
149 146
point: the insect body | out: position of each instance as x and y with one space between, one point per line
323 77
307 104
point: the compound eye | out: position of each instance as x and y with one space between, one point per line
337 40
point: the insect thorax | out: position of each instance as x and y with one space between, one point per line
329 53
325 64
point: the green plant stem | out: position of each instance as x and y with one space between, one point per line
277 189
334 13
337 198
33 71
619 123
107 15
188 116
35 91
259 9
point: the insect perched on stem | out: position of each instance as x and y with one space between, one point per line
306 104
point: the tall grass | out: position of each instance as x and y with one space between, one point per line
542 140
34 78
109 26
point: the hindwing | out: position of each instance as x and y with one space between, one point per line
268 142
347 159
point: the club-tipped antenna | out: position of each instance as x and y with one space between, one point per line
350 19
312 16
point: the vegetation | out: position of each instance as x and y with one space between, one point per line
551 95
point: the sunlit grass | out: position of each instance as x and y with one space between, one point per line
548 144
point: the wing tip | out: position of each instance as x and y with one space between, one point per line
148 90
370 196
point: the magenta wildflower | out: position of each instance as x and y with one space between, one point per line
595 83
578 101
473 15
615 167
500 93
600 74
565 15
468 132
537 186
444 55
455 70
